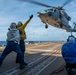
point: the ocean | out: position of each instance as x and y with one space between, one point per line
4 43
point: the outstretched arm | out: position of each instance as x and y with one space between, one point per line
25 24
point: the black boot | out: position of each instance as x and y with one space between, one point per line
25 64
22 67
17 61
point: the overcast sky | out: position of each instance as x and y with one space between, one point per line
14 11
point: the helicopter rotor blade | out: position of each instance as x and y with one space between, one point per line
37 3
67 2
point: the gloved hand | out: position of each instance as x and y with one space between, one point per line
31 16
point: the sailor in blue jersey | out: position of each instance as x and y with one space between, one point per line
13 39
69 51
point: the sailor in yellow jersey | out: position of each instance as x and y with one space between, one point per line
21 27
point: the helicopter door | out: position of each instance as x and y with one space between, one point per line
64 19
55 14
68 18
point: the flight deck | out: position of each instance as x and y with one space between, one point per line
42 58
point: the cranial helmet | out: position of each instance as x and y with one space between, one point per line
13 25
71 39
19 24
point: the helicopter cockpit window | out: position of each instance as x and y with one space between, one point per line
49 10
55 10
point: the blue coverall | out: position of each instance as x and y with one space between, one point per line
12 46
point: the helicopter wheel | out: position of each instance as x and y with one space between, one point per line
61 25
46 26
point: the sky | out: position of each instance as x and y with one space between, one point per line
14 11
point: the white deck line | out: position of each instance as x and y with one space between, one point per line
46 66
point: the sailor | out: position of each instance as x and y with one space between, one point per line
13 39
21 27
69 51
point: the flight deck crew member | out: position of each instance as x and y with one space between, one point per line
21 27
69 52
13 39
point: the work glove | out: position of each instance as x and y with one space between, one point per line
31 16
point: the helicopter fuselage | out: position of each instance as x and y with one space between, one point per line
48 20
55 19
55 16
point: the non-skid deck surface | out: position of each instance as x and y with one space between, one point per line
42 59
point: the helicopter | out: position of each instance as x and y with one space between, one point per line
54 16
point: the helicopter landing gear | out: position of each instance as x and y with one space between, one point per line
61 25
46 26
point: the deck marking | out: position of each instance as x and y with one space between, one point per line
46 66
